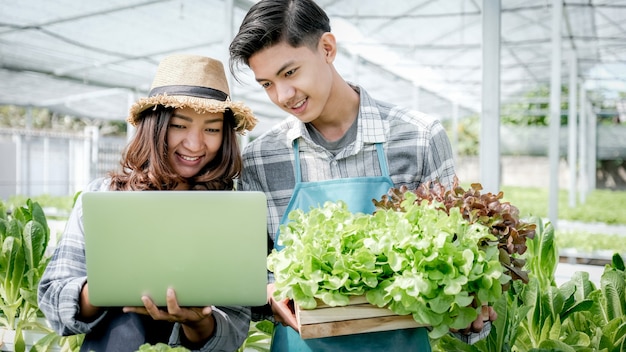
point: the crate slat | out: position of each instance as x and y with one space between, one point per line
357 317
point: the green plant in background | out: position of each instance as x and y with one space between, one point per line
52 340
586 242
540 316
24 238
24 235
541 326
43 119
259 337
604 206
160 347
468 133
61 205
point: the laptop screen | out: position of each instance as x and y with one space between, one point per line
210 246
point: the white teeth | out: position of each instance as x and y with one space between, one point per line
299 104
189 158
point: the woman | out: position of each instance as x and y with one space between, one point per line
185 140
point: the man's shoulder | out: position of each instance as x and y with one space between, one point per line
400 115
395 113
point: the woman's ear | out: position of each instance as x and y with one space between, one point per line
328 45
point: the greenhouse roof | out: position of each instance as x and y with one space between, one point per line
93 58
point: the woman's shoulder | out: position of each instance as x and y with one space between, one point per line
99 184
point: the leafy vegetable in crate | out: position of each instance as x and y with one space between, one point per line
502 218
413 259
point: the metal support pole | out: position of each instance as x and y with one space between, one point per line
592 128
46 166
19 164
583 145
28 138
455 131
130 129
555 112
490 121
572 123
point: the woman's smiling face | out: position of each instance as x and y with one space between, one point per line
193 140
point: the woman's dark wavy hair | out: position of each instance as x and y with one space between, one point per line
269 22
145 165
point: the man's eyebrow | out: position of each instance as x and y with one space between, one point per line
281 69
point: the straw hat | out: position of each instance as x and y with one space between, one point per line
193 81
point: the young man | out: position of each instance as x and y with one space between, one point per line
337 143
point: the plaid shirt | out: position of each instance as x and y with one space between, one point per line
416 146
65 275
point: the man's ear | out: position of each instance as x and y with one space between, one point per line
328 45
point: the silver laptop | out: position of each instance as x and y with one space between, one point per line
210 246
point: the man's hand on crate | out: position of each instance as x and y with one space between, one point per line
479 328
284 312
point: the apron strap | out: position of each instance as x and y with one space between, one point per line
382 160
296 156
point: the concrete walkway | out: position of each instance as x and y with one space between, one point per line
591 227
564 272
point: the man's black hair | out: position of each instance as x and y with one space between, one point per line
269 22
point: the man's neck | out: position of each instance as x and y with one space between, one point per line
340 112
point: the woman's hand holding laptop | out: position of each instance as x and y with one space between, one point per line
197 322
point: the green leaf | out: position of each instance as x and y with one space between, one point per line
14 228
3 212
38 215
554 345
3 227
619 336
548 257
29 296
598 312
554 301
582 306
617 262
47 343
19 344
555 329
161 347
580 284
12 260
34 242
577 338
265 326
532 297
449 343
614 290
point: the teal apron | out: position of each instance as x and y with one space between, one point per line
358 194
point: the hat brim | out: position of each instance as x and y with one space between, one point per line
244 118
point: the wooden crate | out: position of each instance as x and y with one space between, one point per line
357 317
